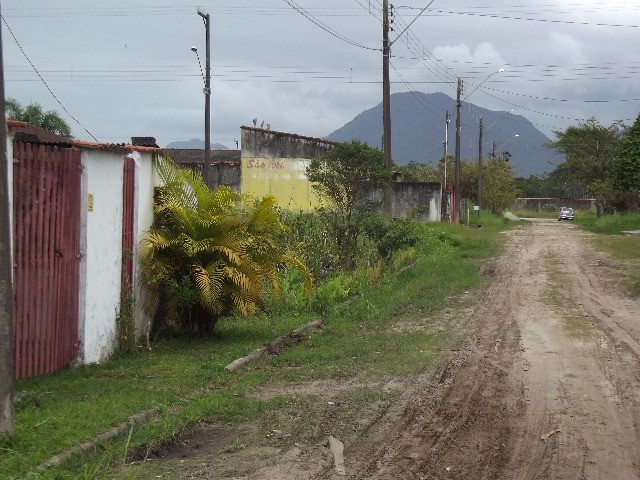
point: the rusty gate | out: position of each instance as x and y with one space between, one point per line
126 275
46 245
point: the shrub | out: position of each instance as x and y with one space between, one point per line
209 253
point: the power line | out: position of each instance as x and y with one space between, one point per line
542 20
43 80
326 28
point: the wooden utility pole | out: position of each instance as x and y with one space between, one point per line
206 172
446 146
6 311
480 170
446 160
456 187
386 86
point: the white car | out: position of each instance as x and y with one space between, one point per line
565 213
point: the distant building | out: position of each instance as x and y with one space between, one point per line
225 164
275 163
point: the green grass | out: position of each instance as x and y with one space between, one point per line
392 327
614 224
622 246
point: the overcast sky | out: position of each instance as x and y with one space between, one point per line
127 69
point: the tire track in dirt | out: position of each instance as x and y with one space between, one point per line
554 351
579 368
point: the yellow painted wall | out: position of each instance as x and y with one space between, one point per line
284 178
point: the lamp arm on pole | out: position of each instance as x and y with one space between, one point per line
480 84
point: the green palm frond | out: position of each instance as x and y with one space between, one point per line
210 250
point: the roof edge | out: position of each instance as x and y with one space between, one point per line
291 135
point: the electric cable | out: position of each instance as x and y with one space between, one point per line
43 80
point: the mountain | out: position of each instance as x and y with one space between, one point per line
418 130
195 143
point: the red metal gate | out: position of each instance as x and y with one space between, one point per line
128 192
126 276
46 244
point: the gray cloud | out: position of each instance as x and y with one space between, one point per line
126 69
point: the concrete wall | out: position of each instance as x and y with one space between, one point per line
146 181
553 204
222 173
273 145
414 200
275 163
101 246
418 200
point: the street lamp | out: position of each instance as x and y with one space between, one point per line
195 50
480 84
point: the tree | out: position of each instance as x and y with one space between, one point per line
589 150
207 254
499 187
35 115
343 178
420 172
625 172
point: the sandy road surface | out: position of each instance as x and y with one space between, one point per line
555 355
547 388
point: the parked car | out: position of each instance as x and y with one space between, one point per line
565 213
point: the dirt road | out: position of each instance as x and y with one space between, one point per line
548 386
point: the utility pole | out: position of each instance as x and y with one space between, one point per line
6 313
456 187
446 159
493 150
446 146
206 172
480 170
386 87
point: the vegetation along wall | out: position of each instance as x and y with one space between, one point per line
549 204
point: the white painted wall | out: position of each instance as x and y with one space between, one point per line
101 242
146 180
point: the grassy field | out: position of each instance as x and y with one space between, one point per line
611 239
609 224
187 382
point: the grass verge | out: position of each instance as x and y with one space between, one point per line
611 239
392 327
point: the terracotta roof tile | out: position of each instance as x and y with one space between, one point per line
25 132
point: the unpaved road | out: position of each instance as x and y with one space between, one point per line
548 387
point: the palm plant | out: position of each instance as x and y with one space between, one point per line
208 254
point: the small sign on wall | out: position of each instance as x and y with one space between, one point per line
90 202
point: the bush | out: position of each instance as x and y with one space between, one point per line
327 295
390 234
